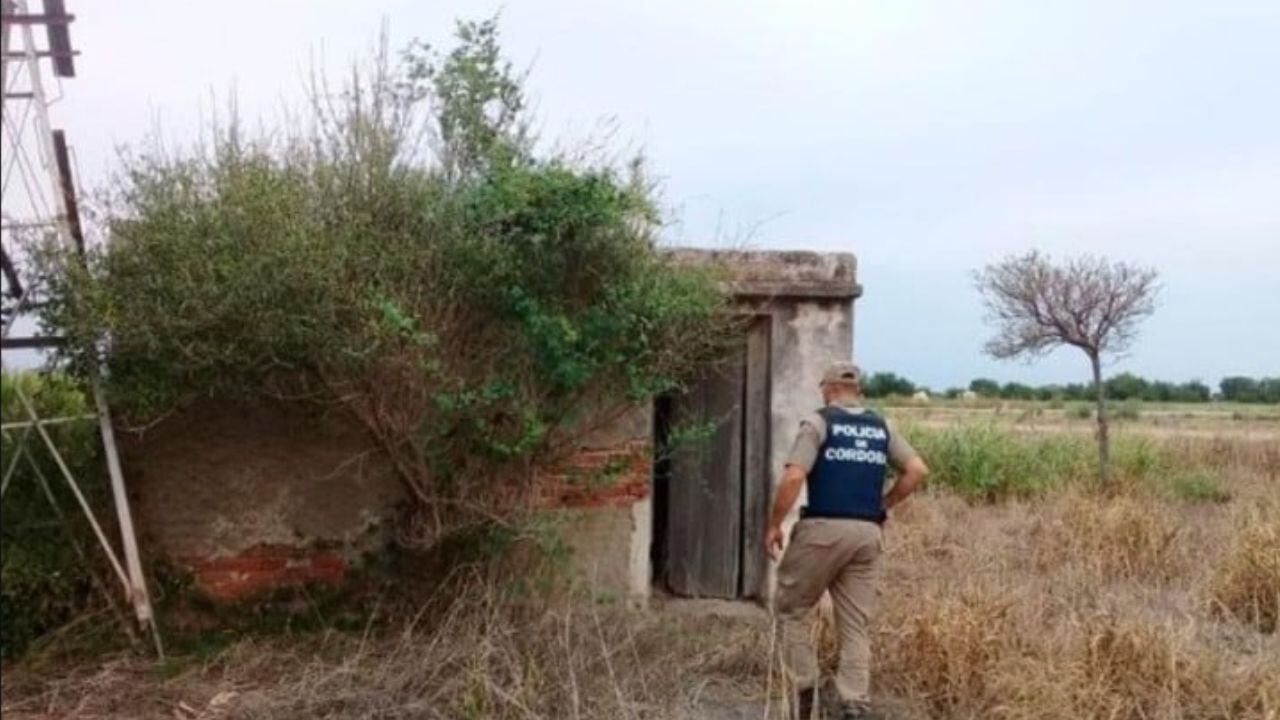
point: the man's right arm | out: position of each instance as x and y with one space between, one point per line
911 469
793 478
803 455
911 477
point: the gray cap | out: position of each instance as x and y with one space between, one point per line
842 373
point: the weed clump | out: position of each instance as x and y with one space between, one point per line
1126 667
1246 584
949 652
1196 487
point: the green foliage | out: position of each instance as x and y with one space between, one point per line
1250 390
884 384
481 117
985 387
1142 460
1129 410
988 463
1017 391
464 303
43 581
1124 386
1127 386
685 435
1197 487
1139 458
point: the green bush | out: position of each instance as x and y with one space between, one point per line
466 300
43 581
988 463
1129 410
1138 458
1196 487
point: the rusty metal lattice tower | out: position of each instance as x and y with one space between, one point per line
39 204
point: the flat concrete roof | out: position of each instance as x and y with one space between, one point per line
781 273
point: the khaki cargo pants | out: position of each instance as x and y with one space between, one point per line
842 556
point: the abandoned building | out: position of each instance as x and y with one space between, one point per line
250 498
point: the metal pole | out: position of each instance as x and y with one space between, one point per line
138 594
42 129
47 421
19 448
6 6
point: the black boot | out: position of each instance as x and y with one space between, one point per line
806 699
860 712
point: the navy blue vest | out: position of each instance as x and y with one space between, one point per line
847 481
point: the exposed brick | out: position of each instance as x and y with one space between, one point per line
575 482
265 568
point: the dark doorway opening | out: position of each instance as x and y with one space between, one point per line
711 477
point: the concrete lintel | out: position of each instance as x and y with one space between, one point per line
780 273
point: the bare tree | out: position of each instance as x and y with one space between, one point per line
1088 302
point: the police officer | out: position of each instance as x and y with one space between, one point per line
842 452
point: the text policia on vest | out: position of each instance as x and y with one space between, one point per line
860 453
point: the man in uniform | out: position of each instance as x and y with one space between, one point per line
842 453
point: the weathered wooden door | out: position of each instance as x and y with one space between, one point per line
717 489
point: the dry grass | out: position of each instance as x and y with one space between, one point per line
477 656
1246 583
1076 605
1001 654
1120 537
948 656
1071 639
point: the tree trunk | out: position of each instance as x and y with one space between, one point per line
1104 440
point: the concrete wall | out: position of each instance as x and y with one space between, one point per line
610 549
604 491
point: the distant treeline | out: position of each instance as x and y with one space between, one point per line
1125 386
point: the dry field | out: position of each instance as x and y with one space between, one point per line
1139 604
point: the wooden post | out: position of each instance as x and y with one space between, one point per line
756 485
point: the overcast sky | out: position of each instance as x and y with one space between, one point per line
926 137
